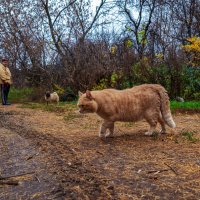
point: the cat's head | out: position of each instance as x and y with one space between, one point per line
87 103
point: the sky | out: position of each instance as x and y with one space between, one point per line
111 17
94 4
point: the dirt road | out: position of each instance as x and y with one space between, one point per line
47 155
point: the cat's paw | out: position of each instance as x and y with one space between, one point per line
101 135
108 135
162 131
148 133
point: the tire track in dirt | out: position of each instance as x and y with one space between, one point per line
128 166
75 179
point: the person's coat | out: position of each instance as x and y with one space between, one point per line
5 75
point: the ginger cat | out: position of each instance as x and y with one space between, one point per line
147 101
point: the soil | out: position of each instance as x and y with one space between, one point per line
48 155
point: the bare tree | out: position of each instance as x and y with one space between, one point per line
139 19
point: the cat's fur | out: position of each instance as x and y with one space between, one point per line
147 101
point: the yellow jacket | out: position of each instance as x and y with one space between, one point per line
5 75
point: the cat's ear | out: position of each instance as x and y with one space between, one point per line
80 93
89 95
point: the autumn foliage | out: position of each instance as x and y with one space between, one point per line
193 50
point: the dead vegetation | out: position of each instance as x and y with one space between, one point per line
48 155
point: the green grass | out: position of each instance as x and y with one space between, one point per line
68 108
155 135
72 115
19 95
190 105
62 107
23 95
190 136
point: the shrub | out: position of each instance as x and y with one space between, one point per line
18 95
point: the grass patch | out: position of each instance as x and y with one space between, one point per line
64 107
190 136
155 135
19 95
72 115
190 106
60 108
92 125
128 124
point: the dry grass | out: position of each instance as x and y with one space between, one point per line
128 166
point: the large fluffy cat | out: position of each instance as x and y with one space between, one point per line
147 101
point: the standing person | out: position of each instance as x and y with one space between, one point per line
5 80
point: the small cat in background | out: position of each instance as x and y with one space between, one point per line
147 101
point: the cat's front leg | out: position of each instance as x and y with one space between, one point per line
102 131
111 129
106 125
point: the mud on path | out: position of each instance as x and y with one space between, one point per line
59 156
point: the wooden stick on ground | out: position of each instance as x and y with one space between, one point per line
157 171
12 176
175 172
6 182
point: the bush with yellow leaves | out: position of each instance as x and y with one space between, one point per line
193 49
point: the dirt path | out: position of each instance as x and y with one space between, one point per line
59 156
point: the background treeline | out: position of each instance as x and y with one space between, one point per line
70 45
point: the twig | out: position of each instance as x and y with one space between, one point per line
12 176
99 152
157 171
166 153
37 179
30 157
4 182
171 168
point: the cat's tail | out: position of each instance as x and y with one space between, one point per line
165 108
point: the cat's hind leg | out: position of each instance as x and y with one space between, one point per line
162 123
152 122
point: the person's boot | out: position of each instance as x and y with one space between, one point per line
6 104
